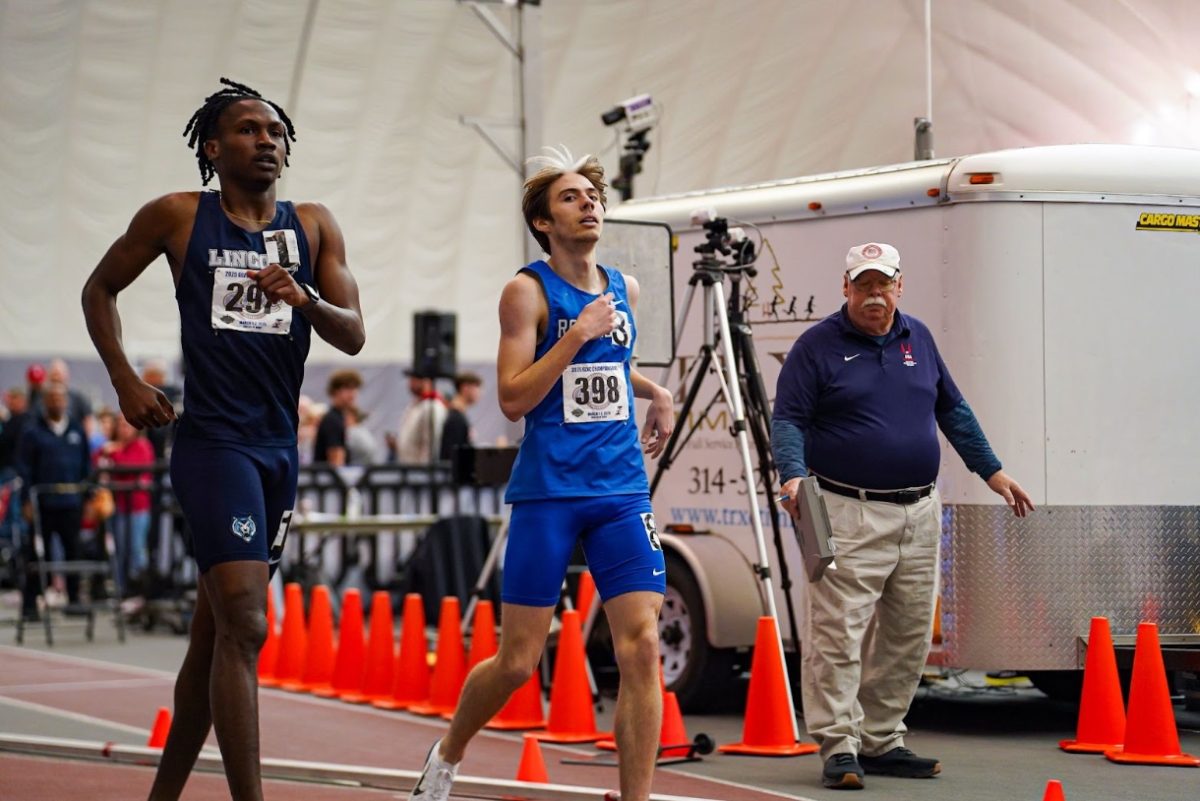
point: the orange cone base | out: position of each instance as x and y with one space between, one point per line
430 710
742 749
1173 760
326 692
573 737
1076 747
391 703
516 726
357 697
607 744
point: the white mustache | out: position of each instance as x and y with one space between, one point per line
874 302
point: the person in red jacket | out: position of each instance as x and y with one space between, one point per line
131 521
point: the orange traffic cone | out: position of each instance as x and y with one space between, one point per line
586 594
160 729
348 664
269 654
1101 710
412 665
768 728
572 718
483 634
533 765
524 708
672 733
377 675
318 660
450 670
1150 734
1054 790
294 641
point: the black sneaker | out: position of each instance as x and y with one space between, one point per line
842 772
901 762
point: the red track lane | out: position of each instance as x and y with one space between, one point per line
306 728
35 779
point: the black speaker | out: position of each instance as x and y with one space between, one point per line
434 344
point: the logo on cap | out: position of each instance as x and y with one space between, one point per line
872 251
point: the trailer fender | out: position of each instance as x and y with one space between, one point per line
732 597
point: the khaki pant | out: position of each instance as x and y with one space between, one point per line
868 623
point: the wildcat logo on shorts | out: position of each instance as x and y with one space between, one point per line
651 531
244 528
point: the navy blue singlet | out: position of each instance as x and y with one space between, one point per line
242 375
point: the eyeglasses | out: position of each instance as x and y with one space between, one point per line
874 286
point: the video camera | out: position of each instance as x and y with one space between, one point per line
638 113
720 238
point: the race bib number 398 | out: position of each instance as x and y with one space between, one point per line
595 392
239 304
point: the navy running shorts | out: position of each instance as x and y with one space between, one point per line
619 540
236 499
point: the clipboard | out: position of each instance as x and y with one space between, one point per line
813 531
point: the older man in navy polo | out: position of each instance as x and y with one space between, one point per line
858 404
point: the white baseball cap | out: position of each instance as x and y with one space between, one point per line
872 256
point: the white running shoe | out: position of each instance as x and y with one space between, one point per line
436 778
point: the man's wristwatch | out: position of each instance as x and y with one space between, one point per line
312 293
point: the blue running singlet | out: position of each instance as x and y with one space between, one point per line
581 440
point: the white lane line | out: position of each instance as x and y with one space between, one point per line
51 656
98 684
76 716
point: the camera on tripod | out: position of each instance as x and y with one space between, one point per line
636 115
720 238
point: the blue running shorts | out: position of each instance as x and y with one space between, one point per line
619 540
237 499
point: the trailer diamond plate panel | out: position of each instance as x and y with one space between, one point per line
1018 593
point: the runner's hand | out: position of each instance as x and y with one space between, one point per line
660 421
598 318
143 405
279 285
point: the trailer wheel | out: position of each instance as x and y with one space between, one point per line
699 674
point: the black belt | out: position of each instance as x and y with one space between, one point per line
905 496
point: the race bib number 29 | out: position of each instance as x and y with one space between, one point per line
595 392
239 304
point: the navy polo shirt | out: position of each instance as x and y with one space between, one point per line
867 409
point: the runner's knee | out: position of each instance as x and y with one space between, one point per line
515 669
637 650
243 623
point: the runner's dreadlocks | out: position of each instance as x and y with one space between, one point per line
203 124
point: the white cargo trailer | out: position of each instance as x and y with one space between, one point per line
1063 286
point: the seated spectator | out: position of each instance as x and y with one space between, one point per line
330 446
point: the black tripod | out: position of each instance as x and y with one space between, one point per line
727 351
